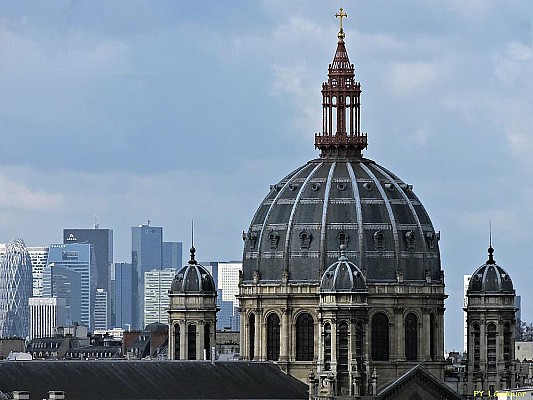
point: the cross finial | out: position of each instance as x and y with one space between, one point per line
341 15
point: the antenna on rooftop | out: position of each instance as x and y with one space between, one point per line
96 224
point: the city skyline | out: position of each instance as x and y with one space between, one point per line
446 94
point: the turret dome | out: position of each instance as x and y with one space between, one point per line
490 278
193 278
343 276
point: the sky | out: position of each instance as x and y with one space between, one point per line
174 111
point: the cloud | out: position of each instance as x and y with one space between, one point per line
15 195
411 78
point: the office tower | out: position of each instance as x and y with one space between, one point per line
38 256
101 321
466 282
172 255
64 283
122 284
228 282
157 283
46 314
71 273
102 241
146 254
15 290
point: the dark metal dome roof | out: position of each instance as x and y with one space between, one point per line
193 278
343 276
303 220
490 278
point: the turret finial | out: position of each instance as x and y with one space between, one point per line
341 15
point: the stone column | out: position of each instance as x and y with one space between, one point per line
183 339
200 326
398 332
424 335
439 330
170 351
284 335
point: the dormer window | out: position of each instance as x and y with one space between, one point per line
305 239
274 239
379 240
343 238
410 240
430 238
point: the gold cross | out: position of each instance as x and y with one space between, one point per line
341 15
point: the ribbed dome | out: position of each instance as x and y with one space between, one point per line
301 223
490 278
193 278
343 276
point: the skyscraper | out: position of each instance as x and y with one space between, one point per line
228 284
156 286
15 290
46 314
39 256
102 241
101 321
146 254
68 263
172 255
122 284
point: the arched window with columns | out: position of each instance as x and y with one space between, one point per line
251 334
327 346
305 335
380 337
342 347
207 341
273 337
191 342
411 337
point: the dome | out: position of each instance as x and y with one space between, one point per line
305 217
193 278
343 276
490 278
341 198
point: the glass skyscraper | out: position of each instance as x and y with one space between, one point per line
146 254
68 266
121 285
15 290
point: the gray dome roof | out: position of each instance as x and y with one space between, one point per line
343 276
300 224
490 278
193 278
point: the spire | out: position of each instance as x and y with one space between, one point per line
341 135
491 250
192 261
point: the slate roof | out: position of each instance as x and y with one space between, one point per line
436 389
104 379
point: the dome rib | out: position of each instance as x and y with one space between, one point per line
386 201
409 204
359 213
325 206
288 236
263 228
